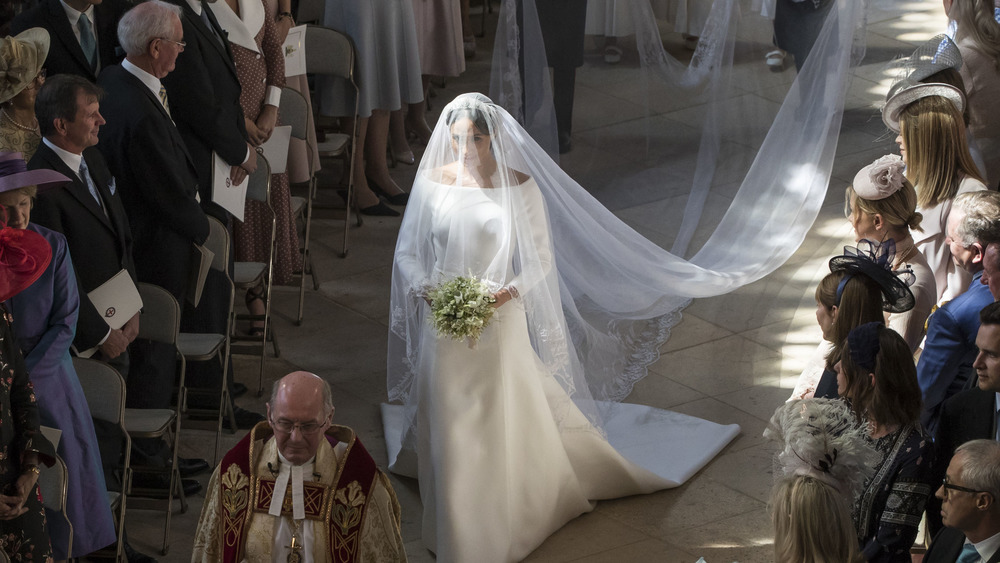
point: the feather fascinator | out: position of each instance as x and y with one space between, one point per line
822 438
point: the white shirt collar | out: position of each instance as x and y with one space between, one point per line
195 5
69 159
151 82
74 16
987 547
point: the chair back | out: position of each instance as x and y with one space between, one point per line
161 315
104 388
53 483
294 112
218 242
329 52
259 183
310 11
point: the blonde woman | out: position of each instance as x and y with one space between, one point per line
932 141
812 523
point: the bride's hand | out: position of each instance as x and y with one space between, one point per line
501 297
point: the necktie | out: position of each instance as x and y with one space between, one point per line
968 555
163 99
87 41
208 24
85 176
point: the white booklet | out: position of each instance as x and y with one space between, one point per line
276 148
117 300
232 198
294 49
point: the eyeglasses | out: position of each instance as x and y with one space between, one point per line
950 487
305 428
181 43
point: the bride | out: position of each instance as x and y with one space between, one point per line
516 434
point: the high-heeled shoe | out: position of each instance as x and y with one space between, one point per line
379 210
406 157
395 199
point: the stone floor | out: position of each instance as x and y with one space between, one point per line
733 358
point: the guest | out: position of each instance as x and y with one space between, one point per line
932 142
388 73
157 179
83 31
882 206
45 320
970 507
688 16
971 414
945 366
611 19
439 36
299 444
796 27
991 270
877 376
563 23
24 256
23 56
866 287
823 460
978 37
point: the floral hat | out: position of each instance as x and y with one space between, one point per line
21 59
875 261
880 179
24 255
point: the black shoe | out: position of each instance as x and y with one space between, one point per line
238 389
133 556
189 467
156 486
379 210
245 419
565 143
396 199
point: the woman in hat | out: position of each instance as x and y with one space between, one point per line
932 141
977 33
21 74
877 377
860 288
46 314
24 256
881 206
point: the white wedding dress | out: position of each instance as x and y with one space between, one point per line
503 455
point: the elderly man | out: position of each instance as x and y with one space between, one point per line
298 489
155 175
82 31
991 269
970 507
945 366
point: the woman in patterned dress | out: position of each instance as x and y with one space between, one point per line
877 376
261 68
21 74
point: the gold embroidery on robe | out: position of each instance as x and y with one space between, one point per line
234 500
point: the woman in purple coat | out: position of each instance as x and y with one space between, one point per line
45 323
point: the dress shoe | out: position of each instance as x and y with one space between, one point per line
157 486
245 419
406 157
189 467
133 556
395 199
238 389
379 210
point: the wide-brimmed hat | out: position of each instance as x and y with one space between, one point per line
934 55
907 91
875 261
21 58
14 174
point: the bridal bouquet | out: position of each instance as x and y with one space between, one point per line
461 308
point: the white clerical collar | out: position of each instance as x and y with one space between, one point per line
151 82
295 474
69 159
987 547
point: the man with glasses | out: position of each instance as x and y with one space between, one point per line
969 507
299 485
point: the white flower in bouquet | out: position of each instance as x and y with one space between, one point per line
461 308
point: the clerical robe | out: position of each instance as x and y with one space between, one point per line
349 504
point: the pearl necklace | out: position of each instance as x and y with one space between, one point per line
34 129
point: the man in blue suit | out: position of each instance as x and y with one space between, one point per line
945 366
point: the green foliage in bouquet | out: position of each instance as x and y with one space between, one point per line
461 308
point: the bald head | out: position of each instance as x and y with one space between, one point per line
300 409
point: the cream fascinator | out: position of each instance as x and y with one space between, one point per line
823 439
880 179
21 58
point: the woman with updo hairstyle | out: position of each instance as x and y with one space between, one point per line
977 34
881 206
935 150
877 376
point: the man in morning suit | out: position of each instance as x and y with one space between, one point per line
83 34
945 365
155 176
88 210
971 414
970 507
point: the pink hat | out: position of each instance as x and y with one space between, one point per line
14 174
880 179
